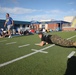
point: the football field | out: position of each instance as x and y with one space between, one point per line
20 56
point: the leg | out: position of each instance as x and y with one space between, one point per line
62 42
9 30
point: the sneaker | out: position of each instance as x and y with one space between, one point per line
10 37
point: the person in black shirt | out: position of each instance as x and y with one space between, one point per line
54 39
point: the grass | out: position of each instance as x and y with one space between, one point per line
52 63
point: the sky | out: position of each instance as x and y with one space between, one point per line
28 10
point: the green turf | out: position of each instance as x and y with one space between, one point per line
52 63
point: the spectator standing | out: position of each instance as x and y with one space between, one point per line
9 22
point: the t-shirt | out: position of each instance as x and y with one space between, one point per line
9 20
46 38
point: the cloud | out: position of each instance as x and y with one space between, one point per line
54 14
38 17
16 10
24 14
19 10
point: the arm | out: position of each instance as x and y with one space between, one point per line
41 43
12 22
5 24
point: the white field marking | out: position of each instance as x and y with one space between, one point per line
3 40
25 56
23 45
71 37
39 51
71 54
11 43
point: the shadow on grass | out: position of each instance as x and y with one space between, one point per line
71 66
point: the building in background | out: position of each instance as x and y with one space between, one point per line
17 24
72 26
69 18
68 24
51 25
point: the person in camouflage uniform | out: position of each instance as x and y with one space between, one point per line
54 39
62 42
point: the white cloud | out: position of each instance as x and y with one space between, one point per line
38 17
16 10
54 14
19 13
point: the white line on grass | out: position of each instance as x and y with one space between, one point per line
3 40
30 54
71 37
23 45
14 60
11 43
39 51
42 50
71 54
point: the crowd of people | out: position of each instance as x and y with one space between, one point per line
8 26
3 33
45 39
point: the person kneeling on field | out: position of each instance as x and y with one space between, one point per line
2 33
54 39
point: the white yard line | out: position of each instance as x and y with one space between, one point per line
71 54
25 56
42 50
39 51
3 40
71 37
23 45
11 43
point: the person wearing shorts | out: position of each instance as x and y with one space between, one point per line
55 39
9 22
